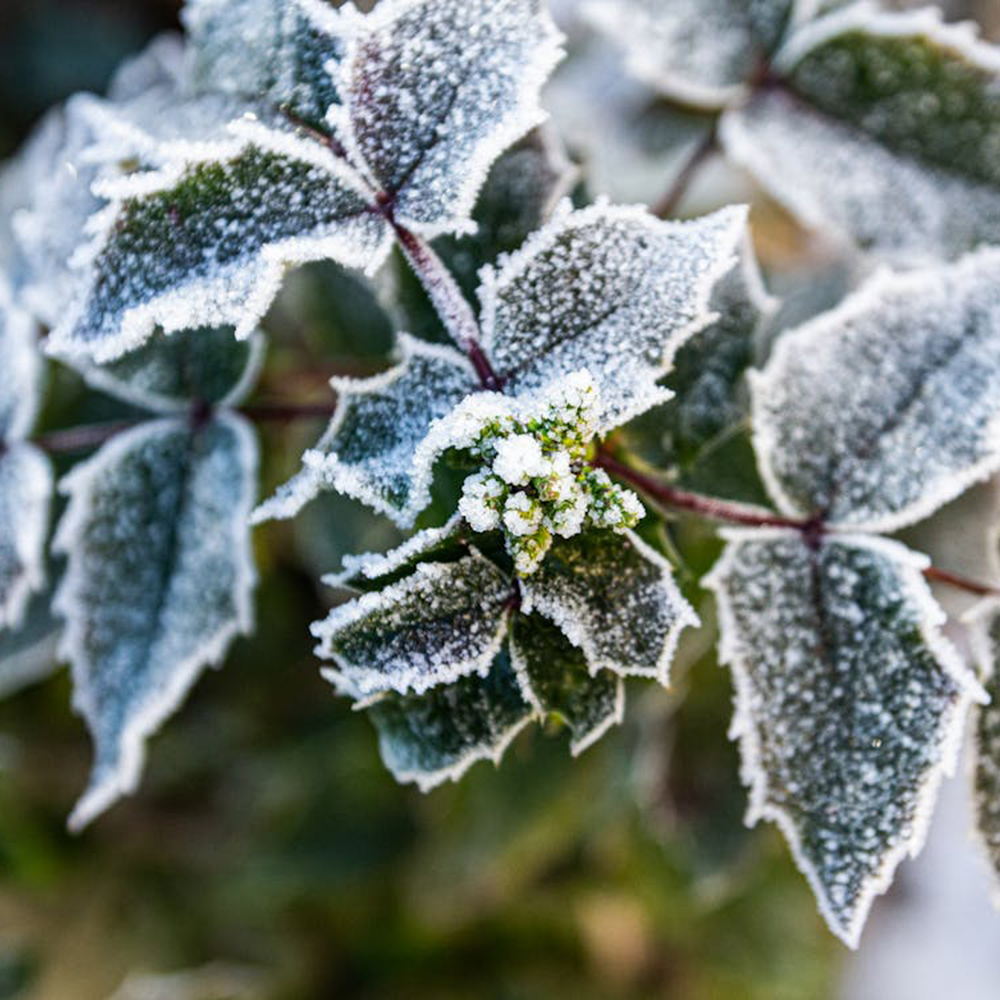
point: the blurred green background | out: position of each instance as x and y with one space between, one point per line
269 855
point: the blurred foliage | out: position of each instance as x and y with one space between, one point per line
270 855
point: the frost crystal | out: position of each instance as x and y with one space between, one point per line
158 584
611 290
444 622
917 422
849 704
698 52
434 92
431 738
889 132
613 597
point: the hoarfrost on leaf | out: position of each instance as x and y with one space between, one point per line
434 92
159 581
607 289
437 736
556 680
849 703
986 748
370 449
915 424
613 597
443 622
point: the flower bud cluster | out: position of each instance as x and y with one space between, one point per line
536 482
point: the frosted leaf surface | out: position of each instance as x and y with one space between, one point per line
434 92
207 243
437 736
698 52
613 597
986 773
902 155
20 369
25 496
159 581
918 420
370 449
444 622
267 50
556 680
849 704
29 654
169 374
611 290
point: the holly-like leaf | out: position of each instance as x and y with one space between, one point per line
369 451
697 52
268 51
884 128
434 92
556 679
611 290
849 703
614 598
986 773
158 584
917 421
437 736
206 242
191 368
444 622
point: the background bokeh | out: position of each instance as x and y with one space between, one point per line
269 855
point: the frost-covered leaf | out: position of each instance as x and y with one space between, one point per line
698 52
443 622
269 51
918 419
613 597
170 374
158 584
986 773
611 290
25 496
20 369
849 703
206 242
556 680
369 450
885 128
29 654
434 91
437 736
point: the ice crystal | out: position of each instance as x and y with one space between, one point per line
158 584
917 421
849 704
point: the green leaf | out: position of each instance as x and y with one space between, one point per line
614 598
444 622
556 680
370 449
986 759
884 128
611 290
914 425
437 736
849 703
158 583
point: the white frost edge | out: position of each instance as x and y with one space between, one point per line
78 486
153 402
373 565
579 633
19 332
366 681
29 540
961 37
610 19
743 728
509 268
322 468
821 330
177 309
526 114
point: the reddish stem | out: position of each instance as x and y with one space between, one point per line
936 575
668 204
81 438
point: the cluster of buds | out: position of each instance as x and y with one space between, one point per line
537 482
